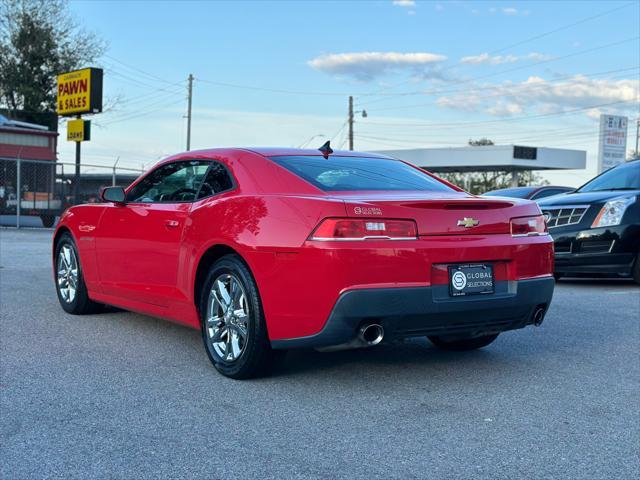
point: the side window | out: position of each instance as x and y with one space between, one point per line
171 183
217 180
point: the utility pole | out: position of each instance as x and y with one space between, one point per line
350 123
113 175
76 176
189 112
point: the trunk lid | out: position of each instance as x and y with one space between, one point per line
436 213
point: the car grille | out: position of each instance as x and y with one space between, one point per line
561 217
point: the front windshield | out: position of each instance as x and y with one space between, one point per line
623 177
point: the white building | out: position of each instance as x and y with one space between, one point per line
506 158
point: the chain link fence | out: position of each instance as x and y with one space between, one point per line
34 193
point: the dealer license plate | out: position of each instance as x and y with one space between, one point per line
473 279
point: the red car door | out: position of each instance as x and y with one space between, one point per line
138 244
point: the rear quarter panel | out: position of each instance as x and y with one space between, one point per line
266 230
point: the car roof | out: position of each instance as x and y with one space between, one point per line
284 151
263 151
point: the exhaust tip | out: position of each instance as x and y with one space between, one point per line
538 316
372 334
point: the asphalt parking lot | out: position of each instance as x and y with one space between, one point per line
121 395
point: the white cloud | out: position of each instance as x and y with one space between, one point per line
404 3
486 58
509 11
500 59
539 56
541 96
410 4
368 65
505 109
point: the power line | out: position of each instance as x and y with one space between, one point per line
134 81
527 40
565 27
555 59
137 115
481 122
575 136
498 141
521 89
272 90
139 70
157 102
339 131
152 96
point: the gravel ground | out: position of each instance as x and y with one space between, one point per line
122 395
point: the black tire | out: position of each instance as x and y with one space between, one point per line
80 304
47 220
462 344
636 270
257 358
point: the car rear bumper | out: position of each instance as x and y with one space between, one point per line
420 311
607 250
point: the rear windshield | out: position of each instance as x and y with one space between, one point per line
359 173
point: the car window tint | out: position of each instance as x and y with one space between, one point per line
520 192
625 176
548 193
359 173
217 180
171 183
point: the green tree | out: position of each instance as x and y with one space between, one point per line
481 142
39 40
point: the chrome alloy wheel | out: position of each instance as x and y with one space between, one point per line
67 273
227 317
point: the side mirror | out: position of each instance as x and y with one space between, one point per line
113 195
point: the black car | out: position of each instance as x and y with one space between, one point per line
596 228
530 193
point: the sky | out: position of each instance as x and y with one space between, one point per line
428 74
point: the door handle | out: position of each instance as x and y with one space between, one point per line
171 223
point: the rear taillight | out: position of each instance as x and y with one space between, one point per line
527 226
346 229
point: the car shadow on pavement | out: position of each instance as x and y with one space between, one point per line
413 357
395 360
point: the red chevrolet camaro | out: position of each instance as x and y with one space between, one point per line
265 250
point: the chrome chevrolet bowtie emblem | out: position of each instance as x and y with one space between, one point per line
467 222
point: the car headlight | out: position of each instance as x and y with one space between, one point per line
612 212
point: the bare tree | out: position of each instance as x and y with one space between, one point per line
38 40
